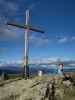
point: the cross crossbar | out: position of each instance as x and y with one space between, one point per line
26 27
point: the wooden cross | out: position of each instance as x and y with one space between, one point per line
27 27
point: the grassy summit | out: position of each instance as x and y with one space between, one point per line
35 89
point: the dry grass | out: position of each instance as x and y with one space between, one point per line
34 89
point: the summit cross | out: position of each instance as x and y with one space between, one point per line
27 27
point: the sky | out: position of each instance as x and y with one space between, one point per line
56 17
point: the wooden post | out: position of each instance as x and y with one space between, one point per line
26 49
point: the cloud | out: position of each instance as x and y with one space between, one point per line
8 34
73 38
53 60
63 40
39 39
7 10
11 62
14 62
33 5
43 39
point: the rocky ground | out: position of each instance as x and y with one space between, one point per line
35 89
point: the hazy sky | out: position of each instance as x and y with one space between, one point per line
56 17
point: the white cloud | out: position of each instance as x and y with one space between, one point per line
39 40
8 34
14 62
73 37
53 60
7 9
63 40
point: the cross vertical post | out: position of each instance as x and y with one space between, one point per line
26 47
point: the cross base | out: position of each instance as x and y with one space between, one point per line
26 74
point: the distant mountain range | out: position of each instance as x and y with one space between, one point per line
18 68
